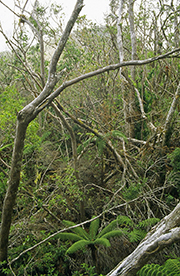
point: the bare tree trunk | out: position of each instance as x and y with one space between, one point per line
12 187
25 116
133 36
166 232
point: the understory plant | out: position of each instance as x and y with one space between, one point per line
170 268
95 236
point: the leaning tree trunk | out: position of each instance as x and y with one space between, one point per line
25 116
13 186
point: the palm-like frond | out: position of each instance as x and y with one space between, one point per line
172 266
123 220
136 235
148 222
102 241
77 230
113 224
93 229
113 233
77 246
120 220
69 236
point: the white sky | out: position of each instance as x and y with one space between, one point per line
94 9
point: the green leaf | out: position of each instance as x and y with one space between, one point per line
102 241
136 235
113 224
148 222
69 236
77 230
77 245
5 146
121 220
93 229
113 234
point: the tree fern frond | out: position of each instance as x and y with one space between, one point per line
69 236
77 246
120 220
102 241
113 234
78 230
173 266
136 235
148 222
152 270
124 220
93 229
113 224
170 268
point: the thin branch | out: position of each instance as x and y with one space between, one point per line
91 74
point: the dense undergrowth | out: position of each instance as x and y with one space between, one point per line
55 186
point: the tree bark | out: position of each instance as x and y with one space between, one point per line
166 232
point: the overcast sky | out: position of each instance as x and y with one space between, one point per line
94 9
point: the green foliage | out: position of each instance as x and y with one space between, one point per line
175 159
117 227
77 246
11 103
78 230
91 238
50 260
170 268
94 228
86 270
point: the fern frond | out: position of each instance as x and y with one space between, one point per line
119 221
170 268
173 266
69 236
152 270
148 222
102 241
77 246
93 229
113 224
78 230
113 234
136 235
124 220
